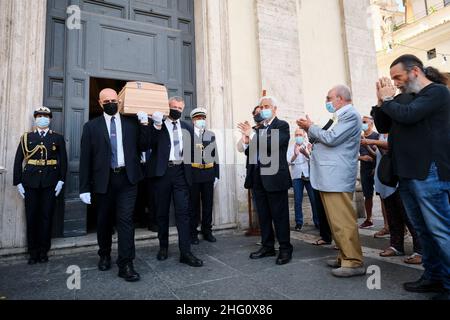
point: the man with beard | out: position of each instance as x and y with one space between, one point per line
424 177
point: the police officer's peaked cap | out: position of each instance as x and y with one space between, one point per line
198 112
42 111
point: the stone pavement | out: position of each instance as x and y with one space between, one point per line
228 274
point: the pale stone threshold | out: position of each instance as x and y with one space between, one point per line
63 246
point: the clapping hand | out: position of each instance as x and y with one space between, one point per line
385 89
245 128
305 124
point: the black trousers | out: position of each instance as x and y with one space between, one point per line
144 210
272 208
324 227
39 207
119 201
202 196
173 185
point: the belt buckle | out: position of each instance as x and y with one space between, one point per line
41 162
117 170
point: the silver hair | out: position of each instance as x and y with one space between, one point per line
344 92
273 101
176 98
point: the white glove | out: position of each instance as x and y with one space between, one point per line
157 118
216 182
21 190
143 117
58 188
86 198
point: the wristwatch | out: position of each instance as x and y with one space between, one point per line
385 99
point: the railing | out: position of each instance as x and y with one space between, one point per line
421 14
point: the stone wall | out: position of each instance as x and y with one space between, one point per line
22 36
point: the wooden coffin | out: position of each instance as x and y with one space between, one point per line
143 96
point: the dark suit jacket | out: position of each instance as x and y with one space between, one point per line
210 147
159 142
419 132
95 158
41 176
281 180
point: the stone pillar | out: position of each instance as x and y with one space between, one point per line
214 92
361 53
22 37
278 35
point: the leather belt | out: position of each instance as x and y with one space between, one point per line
203 166
118 170
42 162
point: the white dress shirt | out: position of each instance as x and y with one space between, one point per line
118 121
169 126
300 166
40 130
199 132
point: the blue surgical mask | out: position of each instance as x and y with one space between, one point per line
42 122
266 114
201 124
299 140
365 127
330 107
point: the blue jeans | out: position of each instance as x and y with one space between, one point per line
298 185
427 205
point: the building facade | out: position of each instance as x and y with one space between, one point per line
421 27
217 54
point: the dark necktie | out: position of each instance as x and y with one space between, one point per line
42 134
176 142
113 138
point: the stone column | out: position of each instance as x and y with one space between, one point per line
22 37
278 36
214 92
361 53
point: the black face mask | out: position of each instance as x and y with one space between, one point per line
175 114
258 118
110 108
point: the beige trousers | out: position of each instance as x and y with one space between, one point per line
344 227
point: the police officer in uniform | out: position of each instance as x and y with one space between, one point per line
205 175
40 170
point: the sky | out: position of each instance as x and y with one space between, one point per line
400 5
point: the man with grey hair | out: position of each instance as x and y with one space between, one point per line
334 166
169 138
270 179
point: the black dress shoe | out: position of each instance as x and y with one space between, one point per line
105 263
195 240
262 253
162 254
209 237
32 261
128 273
423 285
191 260
284 257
